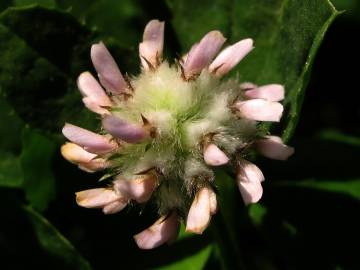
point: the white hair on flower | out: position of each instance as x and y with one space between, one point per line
164 130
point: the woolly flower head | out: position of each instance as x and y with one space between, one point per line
163 131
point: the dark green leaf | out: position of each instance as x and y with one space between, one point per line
347 187
10 144
29 82
339 137
4 4
48 31
194 261
189 251
54 243
257 213
287 35
44 3
30 37
47 49
10 133
193 19
345 4
114 18
11 174
36 163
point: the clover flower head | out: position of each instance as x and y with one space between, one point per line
163 132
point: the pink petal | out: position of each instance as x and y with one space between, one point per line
200 212
114 207
273 147
85 160
94 165
139 189
213 156
152 46
185 56
213 202
201 55
93 106
230 57
249 178
251 192
270 92
76 154
91 141
89 87
124 130
260 110
164 230
249 171
107 69
97 197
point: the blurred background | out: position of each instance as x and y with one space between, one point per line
309 215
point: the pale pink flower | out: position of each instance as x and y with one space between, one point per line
230 57
76 154
124 130
213 156
260 110
91 141
139 189
95 99
273 147
150 50
85 160
97 197
201 210
164 230
270 92
107 69
249 178
163 131
114 207
200 56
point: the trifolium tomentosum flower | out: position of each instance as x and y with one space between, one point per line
163 131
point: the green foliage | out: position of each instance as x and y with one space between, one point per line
4 4
195 261
55 243
287 35
337 136
10 137
48 64
11 174
110 18
45 3
347 187
36 164
257 213
41 97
